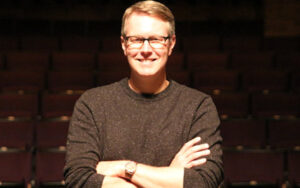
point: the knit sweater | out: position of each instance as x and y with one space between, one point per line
114 123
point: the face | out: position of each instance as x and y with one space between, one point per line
146 60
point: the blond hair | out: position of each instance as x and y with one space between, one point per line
152 8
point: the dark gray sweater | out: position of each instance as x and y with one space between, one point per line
114 123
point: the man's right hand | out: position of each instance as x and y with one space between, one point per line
191 154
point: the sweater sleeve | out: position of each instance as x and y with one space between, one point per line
206 125
83 151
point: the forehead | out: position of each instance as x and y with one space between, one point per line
145 25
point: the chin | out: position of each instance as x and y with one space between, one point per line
147 70
146 73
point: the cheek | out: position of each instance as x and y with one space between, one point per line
132 53
161 52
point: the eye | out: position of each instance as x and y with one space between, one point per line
156 39
136 39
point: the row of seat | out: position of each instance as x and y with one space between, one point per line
207 81
68 61
184 43
261 169
30 134
44 143
241 168
245 134
230 105
238 134
17 169
13 105
32 154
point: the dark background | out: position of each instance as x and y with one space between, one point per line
244 53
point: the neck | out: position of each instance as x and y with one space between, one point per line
148 85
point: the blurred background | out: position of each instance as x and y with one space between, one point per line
244 53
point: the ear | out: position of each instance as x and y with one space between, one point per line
123 43
172 44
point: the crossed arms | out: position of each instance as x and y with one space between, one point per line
190 155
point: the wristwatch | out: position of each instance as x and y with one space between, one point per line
130 168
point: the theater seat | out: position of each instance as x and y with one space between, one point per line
33 61
200 43
108 77
13 105
284 134
232 105
58 105
200 61
244 133
265 81
275 105
51 135
242 43
16 169
22 81
80 44
253 168
112 61
252 61
49 169
294 168
73 61
70 81
16 135
182 77
176 62
216 81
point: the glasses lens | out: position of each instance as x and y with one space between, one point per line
155 42
135 42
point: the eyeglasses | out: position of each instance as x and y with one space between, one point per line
136 42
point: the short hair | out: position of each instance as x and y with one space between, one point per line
152 8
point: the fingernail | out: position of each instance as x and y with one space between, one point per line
198 138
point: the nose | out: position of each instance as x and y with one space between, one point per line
146 49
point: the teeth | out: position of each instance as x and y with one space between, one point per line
146 60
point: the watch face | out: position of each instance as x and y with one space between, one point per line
130 167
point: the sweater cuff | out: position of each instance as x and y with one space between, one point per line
192 179
94 181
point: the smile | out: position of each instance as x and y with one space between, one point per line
146 61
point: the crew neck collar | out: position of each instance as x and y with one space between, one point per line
145 96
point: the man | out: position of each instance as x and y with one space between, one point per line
145 131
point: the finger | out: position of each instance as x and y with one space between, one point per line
189 144
196 163
198 155
196 148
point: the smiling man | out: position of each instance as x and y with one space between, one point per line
145 130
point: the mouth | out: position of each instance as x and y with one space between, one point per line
146 61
